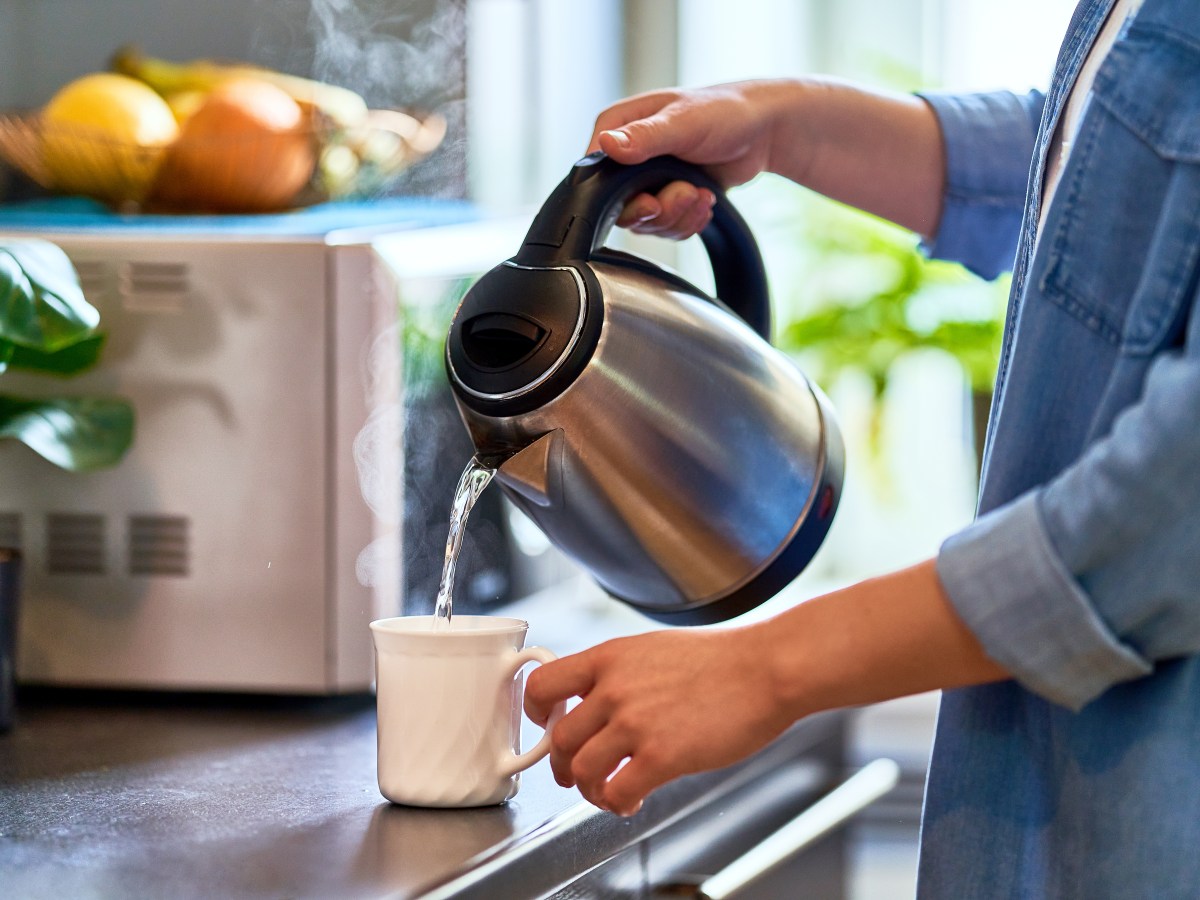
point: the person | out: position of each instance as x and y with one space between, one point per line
1062 625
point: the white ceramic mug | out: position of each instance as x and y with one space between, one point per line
449 702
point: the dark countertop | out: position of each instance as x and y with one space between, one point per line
121 795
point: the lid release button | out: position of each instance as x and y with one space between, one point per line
496 341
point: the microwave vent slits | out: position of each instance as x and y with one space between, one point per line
159 545
75 544
92 278
153 287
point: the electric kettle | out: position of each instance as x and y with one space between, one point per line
650 430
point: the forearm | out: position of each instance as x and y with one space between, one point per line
881 152
677 701
879 639
878 151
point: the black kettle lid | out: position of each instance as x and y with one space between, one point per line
522 334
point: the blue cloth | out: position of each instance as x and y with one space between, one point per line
1080 778
78 214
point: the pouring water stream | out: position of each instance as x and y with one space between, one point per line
474 479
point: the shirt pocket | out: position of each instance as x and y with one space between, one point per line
1122 236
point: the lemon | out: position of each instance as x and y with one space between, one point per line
106 135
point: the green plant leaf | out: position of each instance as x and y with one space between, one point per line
42 306
70 360
423 340
872 297
79 434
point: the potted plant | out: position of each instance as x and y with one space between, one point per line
870 297
47 326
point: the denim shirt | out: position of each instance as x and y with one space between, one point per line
1080 778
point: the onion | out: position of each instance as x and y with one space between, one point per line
248 147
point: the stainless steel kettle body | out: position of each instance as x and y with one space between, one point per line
655 436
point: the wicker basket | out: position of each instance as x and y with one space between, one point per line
125 175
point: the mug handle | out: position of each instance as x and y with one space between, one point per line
522 761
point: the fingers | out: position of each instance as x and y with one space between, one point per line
589 745
625 791
648 125
642 208
636 142
554 682
618 144
620 725
614 771
574 730
679 211
597 760
629 131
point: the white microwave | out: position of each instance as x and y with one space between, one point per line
257 524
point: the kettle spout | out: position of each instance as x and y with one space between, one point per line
535 472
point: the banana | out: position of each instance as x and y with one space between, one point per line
338 169
343 107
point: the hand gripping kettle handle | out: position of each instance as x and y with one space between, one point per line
577 217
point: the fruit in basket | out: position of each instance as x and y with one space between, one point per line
105 135
184 103
341 106
248 147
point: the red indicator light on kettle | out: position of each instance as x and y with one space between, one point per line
825 504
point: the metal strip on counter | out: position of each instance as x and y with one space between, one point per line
831 811
583 837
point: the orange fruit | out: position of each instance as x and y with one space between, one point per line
105 135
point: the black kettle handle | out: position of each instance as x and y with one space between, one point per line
577 217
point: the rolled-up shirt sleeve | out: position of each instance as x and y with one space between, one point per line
1092 579
989 140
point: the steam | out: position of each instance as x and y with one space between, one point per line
391 52
423 547
406 54
375 446
396 455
